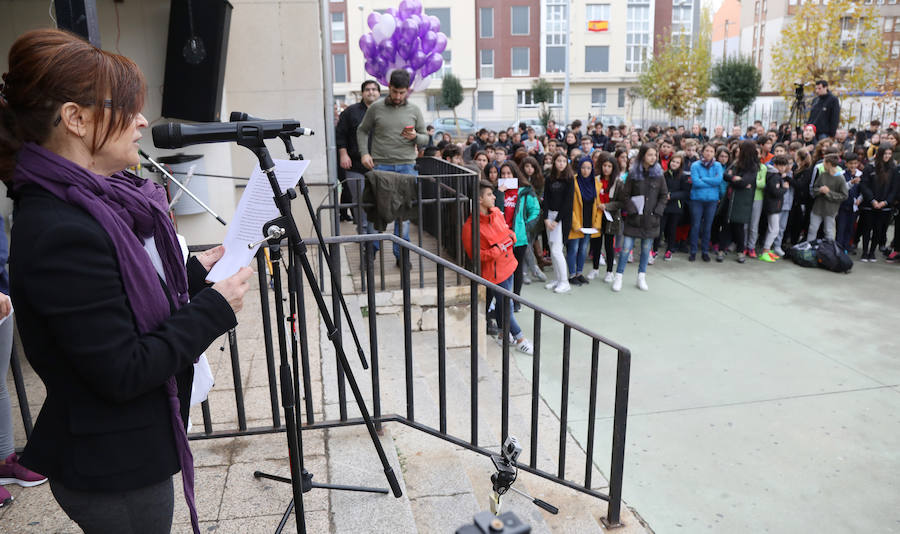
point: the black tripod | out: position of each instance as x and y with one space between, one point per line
274 231
798 109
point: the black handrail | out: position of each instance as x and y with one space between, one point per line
504 298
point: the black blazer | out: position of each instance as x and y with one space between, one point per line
105 424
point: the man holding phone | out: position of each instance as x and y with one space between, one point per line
395 127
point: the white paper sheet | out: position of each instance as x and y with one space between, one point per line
607 216
255 208
638 203
507 183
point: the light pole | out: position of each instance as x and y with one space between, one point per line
725 41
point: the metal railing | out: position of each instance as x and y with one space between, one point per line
408 416
444 200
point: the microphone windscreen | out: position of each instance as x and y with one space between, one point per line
167 135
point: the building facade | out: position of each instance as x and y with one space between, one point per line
498 48
763 20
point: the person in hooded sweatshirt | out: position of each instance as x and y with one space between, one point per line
643 197
498 263
829 190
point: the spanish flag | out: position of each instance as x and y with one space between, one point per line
598 25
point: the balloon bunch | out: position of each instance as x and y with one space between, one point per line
404 38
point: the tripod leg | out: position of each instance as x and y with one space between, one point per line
300 249
284 518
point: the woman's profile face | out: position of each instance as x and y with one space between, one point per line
570 138
623 160
528 168
492 174
506 172
481 160
650 157
888 154
121 149
607 168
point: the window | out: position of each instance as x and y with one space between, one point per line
888 24
597 12
521 25
443 14
486 18
520 61
637 36
485 100
682 19
621 97
596 59
598 97
897 24
434 103
340 68
525 99
338 33
487 63
895 50
555 36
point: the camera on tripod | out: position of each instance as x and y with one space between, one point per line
798 90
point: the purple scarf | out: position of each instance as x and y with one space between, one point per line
130 209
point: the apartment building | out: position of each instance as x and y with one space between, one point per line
726 30
763 20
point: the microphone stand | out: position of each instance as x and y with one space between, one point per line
189 193
285 225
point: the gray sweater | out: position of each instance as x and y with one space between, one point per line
828 204
385 124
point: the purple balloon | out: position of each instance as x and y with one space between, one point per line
432 64
380 67
392 11
387 50
440 43
372 68
424 25
406 9
416 5
367 45
408 29
435 23
428 42
372 20
418 59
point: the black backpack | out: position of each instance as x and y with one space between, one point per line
831 256
805 254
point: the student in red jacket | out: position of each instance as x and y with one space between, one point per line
497 260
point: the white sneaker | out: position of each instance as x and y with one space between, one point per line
631 257
525 346
593 274
539 275
526 279
551 285
642 282
652 258
563 287
602 260
608 278
617 282
779 251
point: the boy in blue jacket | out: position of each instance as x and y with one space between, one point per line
849 210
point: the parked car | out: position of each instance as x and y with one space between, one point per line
446 124
534 123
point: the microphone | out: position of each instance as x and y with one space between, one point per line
177 135
240 116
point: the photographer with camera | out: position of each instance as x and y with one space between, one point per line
825 113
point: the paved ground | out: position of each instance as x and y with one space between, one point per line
764 398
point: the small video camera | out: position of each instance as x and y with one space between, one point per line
488 523
511 449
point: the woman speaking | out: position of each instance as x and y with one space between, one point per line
110 318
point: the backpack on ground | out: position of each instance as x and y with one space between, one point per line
831 256
804 254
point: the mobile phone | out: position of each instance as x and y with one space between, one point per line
408 128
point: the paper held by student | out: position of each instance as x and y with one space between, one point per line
638 203
255 208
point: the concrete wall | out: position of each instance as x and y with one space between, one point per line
274 70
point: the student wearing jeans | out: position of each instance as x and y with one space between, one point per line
645 180
777 183
497 260
829 190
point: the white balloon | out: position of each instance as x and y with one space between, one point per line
385 27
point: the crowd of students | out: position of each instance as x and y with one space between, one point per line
598 195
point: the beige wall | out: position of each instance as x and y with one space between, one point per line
273 70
